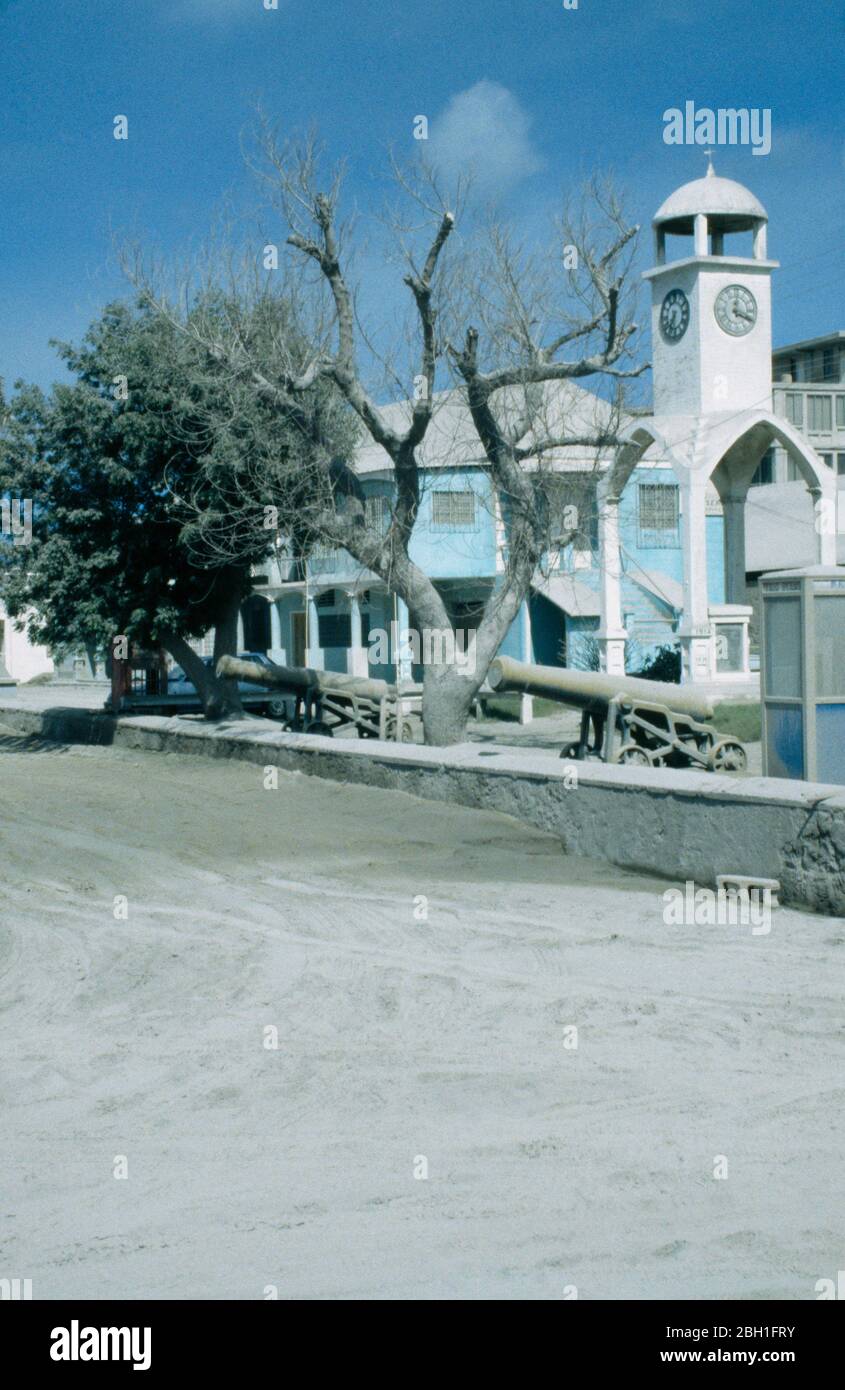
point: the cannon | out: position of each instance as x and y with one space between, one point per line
634 721
328 700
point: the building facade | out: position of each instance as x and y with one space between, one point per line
670 526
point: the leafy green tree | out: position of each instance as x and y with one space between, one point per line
133 470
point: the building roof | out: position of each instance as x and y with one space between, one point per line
451 441
571 595
826 340
731 204
661 585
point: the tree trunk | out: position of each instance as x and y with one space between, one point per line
227 695
217 702
447 698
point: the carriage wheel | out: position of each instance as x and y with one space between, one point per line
407 729
570 751
318 726
633 755
727 756
277 709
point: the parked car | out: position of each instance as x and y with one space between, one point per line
257 698
278 706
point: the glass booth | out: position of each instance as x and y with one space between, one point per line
802 673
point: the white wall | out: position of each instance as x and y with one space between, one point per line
780 530
22 659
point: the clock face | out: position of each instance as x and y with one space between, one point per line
674 316
735 310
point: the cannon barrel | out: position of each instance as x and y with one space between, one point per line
594 690
302 678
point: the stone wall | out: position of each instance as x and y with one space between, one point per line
679 824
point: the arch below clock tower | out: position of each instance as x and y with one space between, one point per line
723 451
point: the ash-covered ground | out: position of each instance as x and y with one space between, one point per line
423 966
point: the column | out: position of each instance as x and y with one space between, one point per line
357 661
275 631
733 509
826 500
526 702
240 639
611 634
402 651
694 632
700 234
312 636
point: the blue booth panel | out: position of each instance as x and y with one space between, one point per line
785 740
830 743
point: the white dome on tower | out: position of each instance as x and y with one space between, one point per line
729 206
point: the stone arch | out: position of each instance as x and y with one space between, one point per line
637 440
740 447
737 449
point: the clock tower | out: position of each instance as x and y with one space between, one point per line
711 320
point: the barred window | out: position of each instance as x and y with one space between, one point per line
820 414
795 409
658 515
456 509
335 629
377 513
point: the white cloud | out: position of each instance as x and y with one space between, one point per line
484 131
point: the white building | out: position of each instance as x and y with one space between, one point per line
20 659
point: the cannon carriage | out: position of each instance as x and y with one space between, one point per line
628 720
326 701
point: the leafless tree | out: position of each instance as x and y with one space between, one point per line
493 322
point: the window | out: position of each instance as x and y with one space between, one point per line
840 412
377 513
571 511
819 414
765 470
840 465
325 599
728 647
335 630
792 473
658 515
455 509
827 458
829 364
795 409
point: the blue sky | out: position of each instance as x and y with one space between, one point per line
542 94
